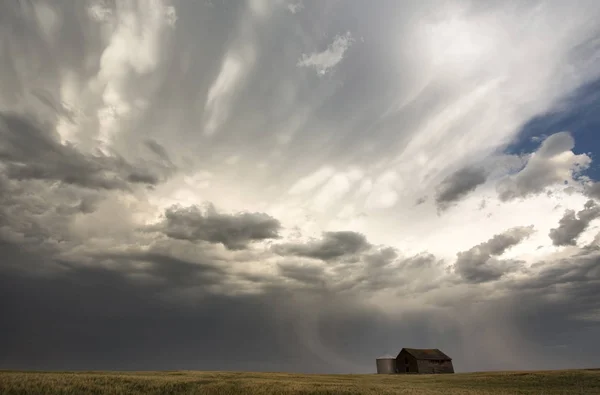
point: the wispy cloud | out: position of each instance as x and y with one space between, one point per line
295 7
326 60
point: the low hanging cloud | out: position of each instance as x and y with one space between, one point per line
169 268
379 268
323 62
479 264
456 186
234 231
385 268
572 225
332 245
308 275
553 163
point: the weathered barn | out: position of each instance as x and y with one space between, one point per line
413 360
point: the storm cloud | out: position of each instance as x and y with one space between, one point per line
572 225
31 153
332 245
234 231
458 185
232 185
480 263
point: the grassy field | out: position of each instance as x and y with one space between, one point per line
184 382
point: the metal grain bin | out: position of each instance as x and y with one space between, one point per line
386 365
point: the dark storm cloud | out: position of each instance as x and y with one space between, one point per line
72 322
566 288
308 275
31 150
582 269
572 225
234 231
100 318
332 245
142 177
68 320
385 269
170 270
479 264
35 214
160 304
380 268
380 258
86 205
458 185
377 271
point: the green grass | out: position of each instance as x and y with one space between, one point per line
582 382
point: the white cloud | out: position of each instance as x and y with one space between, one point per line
553 163
295 7
49 20
260 7
128 52
217 102
310 182
232 160
335 189
323 62
383 193
99 11
237 63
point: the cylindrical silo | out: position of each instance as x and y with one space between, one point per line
386 365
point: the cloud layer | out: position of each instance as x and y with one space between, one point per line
210 185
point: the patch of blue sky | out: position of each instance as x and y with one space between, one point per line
579 113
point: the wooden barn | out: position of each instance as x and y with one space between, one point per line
413 360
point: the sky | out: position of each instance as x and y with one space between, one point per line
299 186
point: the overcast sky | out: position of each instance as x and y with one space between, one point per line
298 185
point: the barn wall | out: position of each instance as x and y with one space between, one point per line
421 366
431 367
413 364
447 367
401 363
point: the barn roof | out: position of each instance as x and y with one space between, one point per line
427 353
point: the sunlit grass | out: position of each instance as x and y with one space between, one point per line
224 383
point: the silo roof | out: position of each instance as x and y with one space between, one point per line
387 356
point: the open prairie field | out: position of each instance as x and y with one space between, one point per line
190 382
